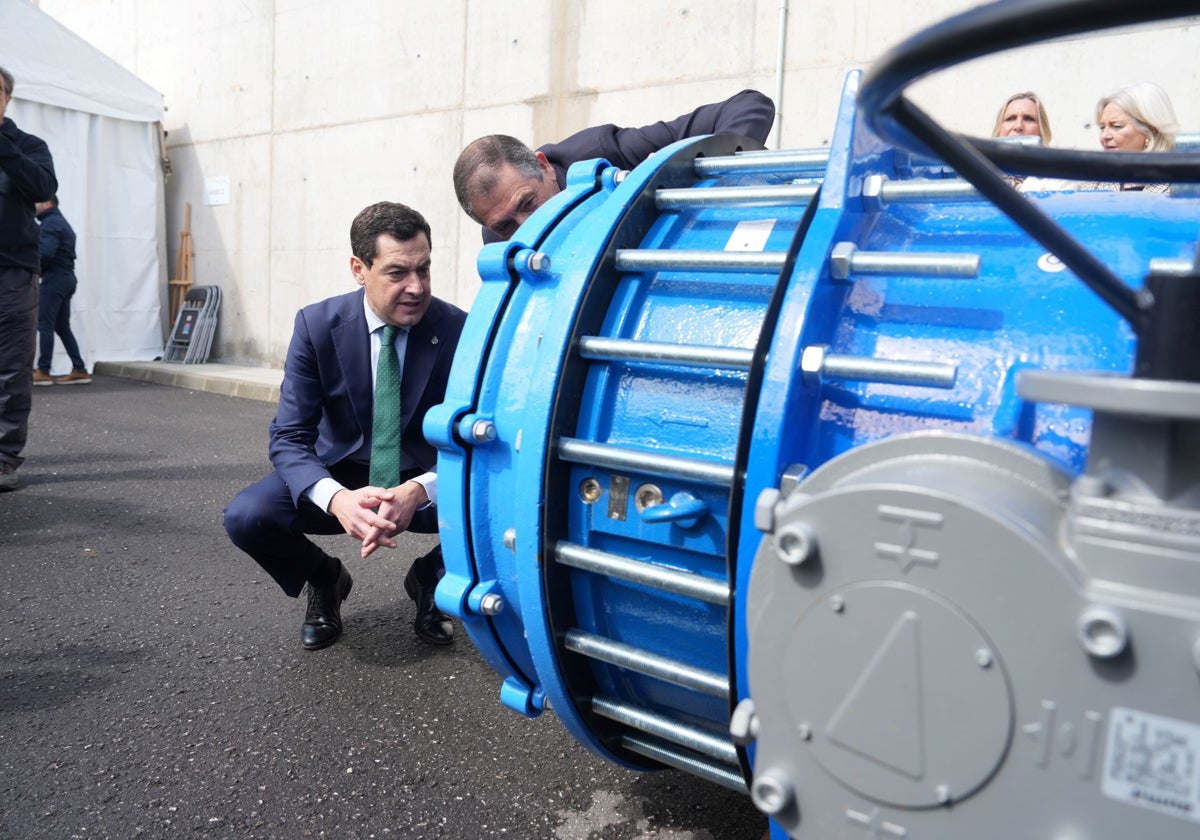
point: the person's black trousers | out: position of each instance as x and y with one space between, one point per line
263 522
18 340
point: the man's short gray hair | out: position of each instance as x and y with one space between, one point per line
8 81
478 167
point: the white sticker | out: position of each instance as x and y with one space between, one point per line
750 235
216 190
1154 762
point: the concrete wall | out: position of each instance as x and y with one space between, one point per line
315 109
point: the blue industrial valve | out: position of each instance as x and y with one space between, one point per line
852 479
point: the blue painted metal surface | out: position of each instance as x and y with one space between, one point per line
650 382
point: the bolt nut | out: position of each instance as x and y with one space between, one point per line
743 723
872 195
483 431
804 730
1091 486
510 539
772 791
764 510
539 262
491 604
812 360
983 658
791 478
839 260
837 603
942 792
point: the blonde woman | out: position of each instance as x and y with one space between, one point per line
1023 114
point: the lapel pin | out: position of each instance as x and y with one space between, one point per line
433 340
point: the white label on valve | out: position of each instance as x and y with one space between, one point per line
1154 762
750 235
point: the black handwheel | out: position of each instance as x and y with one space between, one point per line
1013 23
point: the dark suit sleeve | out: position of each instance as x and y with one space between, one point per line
748 113
26 160
296 426
51 236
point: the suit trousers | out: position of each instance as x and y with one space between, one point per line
54 317
263 521
18 340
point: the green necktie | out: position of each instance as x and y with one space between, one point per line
385 434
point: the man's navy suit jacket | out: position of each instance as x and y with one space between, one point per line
326 400
748 113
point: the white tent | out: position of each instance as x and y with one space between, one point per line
103 127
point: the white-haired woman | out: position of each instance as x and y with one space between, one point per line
1136 118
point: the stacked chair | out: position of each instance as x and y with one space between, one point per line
191 338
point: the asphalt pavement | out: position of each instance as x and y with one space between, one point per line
152 683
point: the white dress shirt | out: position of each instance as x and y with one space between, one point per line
323 491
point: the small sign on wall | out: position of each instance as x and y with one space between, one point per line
216 190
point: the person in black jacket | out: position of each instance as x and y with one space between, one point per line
26 177
58 286
500 181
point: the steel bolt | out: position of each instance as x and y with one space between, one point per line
804 730
983 658
772 791
795 543
490 604
510 539
539 262
484 431
837 603
1103 632
589 490
647 496
942 792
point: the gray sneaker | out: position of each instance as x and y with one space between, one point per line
8 477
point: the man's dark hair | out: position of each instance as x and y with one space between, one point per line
397 220
478 167
8 81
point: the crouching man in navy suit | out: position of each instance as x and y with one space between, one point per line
324 480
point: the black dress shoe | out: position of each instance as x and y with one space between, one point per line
323 620
431 624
